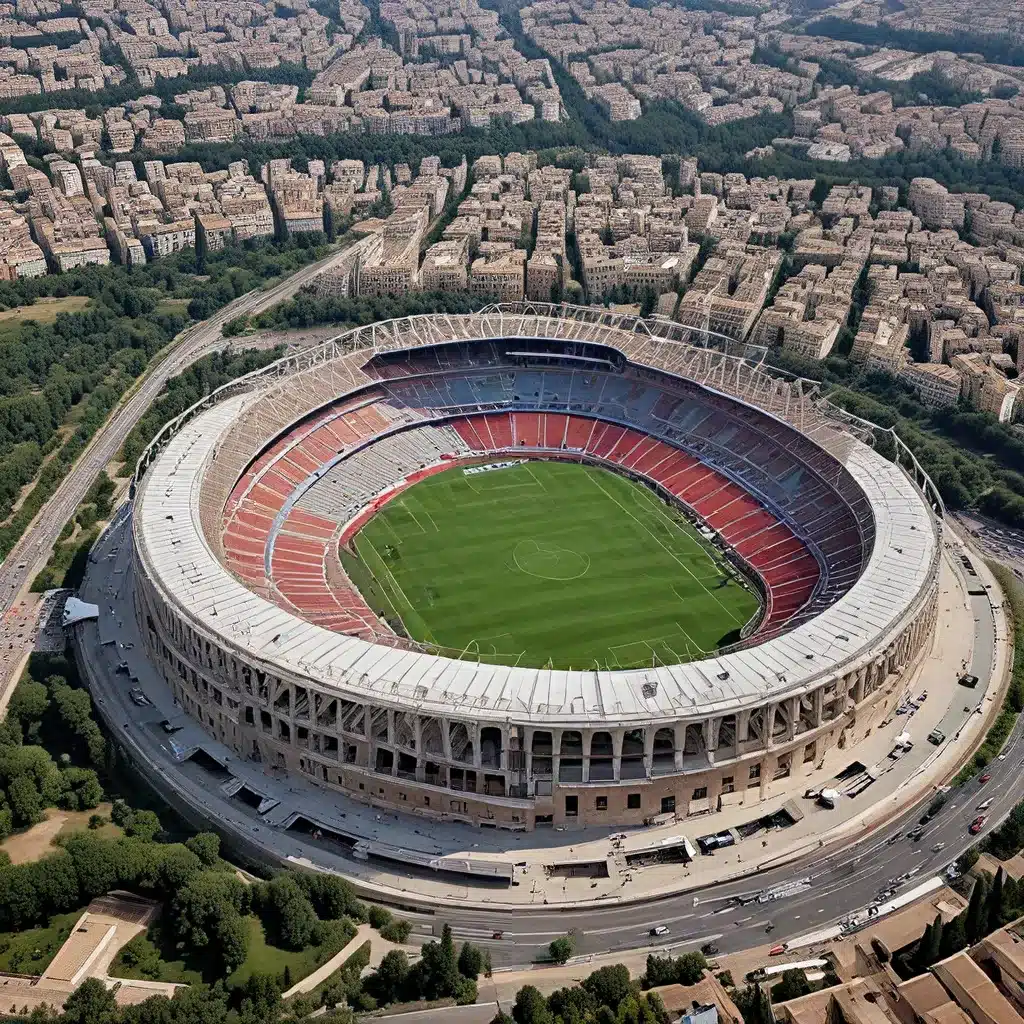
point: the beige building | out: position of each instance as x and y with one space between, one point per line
937 385
500 275
446 265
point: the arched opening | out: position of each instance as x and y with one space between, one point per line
490 747
570 765
664 756
633 754
602 750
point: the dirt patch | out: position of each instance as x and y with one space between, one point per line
37 841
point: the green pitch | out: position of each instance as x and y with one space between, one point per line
548 563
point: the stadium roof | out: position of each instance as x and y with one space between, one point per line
845 636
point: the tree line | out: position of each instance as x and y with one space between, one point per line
85 361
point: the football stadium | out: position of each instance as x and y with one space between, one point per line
536 565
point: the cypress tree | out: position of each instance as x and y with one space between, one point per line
994 905
974 924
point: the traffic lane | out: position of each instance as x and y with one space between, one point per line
39 539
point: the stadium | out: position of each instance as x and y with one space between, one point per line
537 565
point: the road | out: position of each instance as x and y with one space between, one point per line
31 552
840 882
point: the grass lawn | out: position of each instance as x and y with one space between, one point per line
160 960
548 561
43 311
267 959
30 951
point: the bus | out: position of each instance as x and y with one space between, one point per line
773 970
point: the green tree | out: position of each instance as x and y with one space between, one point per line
994 904
754 1005
954 936
206 846
287 912
471 961
91 1003
24 799
560 949
609 985
531 1007
144 825
974 922
388 983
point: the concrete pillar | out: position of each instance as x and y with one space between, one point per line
680 743
474 735
742 728
446 739
649 749
769 726
819 706
556 754
617 736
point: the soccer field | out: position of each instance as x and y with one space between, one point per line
548 563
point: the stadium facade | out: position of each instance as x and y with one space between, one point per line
241 505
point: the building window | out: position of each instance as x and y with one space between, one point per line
727 785
633 801
426 801
668 804
572 806
755 771
809 752
700 793
601 803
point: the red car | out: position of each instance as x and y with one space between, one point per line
985 777
976 826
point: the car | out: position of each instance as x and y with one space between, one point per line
937 736
660 929
916 832
985 804
709 949
970 681
985 778
977 825
169 727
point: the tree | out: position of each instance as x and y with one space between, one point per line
561 949
792 986
609 985
690 968
994 904
202 250
531 1007
24 799
974 922
91 1003
471 961
388 983
144 825
754 1004
206 846
954 937
261 997
287 912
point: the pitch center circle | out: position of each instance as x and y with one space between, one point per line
548 561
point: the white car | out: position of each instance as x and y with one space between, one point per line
660 929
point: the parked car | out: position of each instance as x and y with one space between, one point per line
709 949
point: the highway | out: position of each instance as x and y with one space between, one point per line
31 552
821 888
